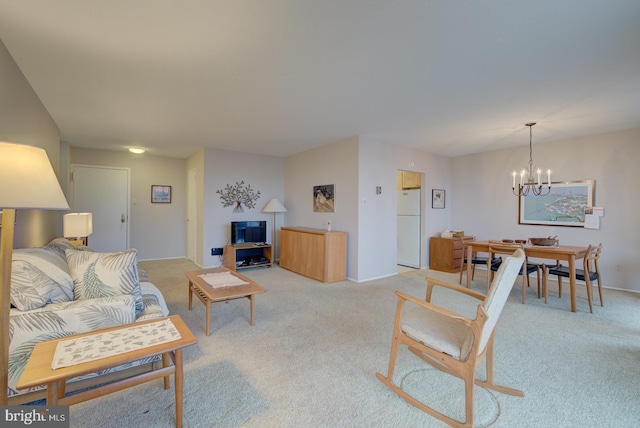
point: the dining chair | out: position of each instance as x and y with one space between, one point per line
450 342
501 248
589 274
475 260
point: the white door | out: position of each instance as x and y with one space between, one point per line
192 237
104 192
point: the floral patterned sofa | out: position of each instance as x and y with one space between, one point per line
58 290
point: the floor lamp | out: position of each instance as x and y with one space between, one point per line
274 206
27 181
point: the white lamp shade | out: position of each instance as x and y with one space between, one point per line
77 225
274 206
27 179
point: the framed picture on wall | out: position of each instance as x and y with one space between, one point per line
563 206
437 198
160 194
324 198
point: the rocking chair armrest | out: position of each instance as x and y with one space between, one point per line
432 282
402 297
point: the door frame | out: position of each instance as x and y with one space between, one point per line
192 215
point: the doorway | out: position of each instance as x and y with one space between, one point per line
409 220
192 236
104 192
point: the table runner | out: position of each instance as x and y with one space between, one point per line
221 279
74 351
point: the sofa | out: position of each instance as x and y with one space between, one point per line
58 290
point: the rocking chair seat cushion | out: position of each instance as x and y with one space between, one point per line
438 332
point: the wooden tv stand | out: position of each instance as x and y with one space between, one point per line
239 256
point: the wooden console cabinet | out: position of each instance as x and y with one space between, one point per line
243 256
445 254
314 253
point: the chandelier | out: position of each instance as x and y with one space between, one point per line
528 182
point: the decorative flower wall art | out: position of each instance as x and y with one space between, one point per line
238 195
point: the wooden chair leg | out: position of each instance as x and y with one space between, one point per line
589 291
469 386
545 283
559 287
600 292
490 383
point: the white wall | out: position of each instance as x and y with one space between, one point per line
222 167
157 231
357 166
24 120
483 204
378 231
335 163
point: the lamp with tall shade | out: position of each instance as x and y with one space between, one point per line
27 181
77 226
274 206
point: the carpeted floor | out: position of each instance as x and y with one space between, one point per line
311 358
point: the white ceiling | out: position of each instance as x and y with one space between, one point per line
277 77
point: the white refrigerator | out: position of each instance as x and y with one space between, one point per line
409 228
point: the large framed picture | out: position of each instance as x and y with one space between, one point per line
564 206
160 194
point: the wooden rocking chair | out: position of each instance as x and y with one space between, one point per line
450 342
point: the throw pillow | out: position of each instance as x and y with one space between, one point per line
39 277
30 287
98 275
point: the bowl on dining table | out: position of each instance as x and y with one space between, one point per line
521 241
508 241
543 242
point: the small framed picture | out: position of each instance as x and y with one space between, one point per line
437 198
160 194
324 198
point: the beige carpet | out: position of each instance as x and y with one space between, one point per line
311 359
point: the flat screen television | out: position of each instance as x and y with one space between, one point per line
248 232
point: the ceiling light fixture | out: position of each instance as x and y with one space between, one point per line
136 150
528 183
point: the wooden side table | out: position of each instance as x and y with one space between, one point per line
38 369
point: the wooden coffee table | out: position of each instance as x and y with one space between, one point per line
38 370
208 295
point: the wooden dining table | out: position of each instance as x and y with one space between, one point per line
566 253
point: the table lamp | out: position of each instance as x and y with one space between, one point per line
274 206
77 226
27 181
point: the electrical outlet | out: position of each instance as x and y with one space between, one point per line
216 251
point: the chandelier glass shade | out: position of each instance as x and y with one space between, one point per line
530 181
